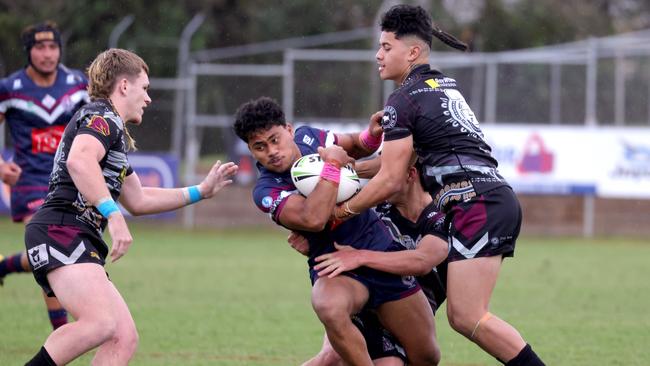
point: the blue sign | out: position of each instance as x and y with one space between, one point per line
154 170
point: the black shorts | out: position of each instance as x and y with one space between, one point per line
484 226
50 246
380 342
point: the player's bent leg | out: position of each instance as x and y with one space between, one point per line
470 284
122 346
334 300
94 303
411 321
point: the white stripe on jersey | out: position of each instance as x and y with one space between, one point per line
329 139
49 118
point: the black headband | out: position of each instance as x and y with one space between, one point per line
41 33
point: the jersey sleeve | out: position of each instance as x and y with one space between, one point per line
310 138
270 197
399 117
103 129
435 225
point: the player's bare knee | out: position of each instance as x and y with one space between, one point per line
430 357
330 310
461 322
128 339
104 328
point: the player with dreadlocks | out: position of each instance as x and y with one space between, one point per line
427 114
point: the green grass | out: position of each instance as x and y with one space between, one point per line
242 298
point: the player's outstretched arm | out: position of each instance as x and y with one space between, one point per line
359 145
430 252
139 200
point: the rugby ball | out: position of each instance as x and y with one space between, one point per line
305 174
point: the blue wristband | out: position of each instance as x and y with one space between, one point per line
194 193
107 207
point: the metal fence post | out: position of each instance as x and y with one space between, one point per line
182 67
592 83
117 31
288 83
177 135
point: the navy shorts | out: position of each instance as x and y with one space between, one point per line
25 201
484 226
382 286
380 342
50 246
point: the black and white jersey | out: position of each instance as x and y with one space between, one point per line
101 121
456 159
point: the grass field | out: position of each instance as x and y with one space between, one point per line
242 298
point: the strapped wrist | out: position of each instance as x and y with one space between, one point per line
369 141
331 172
107 207
192 194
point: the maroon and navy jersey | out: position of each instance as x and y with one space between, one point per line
364 231
408 234
456 158
36 117
99 120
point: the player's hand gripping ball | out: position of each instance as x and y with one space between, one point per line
305 174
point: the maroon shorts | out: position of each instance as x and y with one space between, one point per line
484 226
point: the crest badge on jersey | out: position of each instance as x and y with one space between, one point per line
267 201
99 124
389 119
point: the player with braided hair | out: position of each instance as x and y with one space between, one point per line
428 114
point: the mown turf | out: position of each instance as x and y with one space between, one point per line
242 298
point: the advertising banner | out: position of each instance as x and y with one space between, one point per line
605 161
154 170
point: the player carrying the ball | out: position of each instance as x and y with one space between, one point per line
398 301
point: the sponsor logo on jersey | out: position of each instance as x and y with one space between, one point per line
99 124
38 256
389 119
432 83
267 201
17 84
307 140
46 140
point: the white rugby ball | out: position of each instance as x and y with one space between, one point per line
305 174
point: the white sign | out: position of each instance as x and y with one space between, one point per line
606 161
